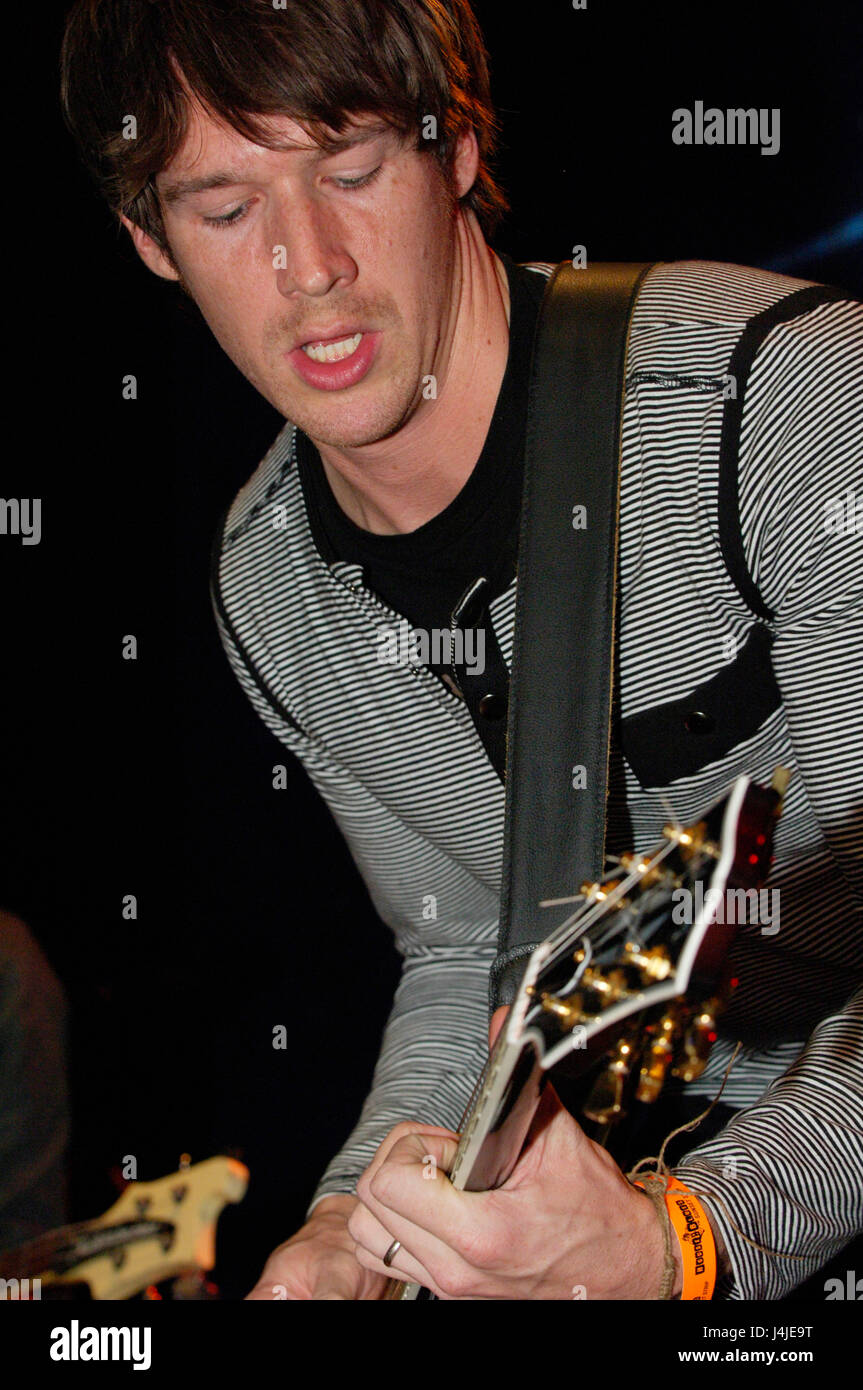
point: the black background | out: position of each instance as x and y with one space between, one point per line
154 777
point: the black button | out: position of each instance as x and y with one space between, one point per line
697 722
492 706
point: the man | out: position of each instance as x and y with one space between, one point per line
317 178
34 1103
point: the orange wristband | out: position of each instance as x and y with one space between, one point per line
695 1238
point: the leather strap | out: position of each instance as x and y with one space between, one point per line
559 723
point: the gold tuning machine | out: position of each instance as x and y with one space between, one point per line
649 874
654 964
698 1039
606 989
610 987
598 892
604 1105
568 1010
691 840
658 1057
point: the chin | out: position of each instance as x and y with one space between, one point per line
347 426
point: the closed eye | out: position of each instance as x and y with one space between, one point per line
361 181
230 219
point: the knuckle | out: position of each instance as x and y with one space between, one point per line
403 1129
354 1225
478 1247
364 1258
457 1282
380 1186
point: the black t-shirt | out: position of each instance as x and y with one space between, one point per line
423 574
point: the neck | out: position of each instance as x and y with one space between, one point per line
397 484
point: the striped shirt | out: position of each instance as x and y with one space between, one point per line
398 760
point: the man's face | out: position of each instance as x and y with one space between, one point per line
289 247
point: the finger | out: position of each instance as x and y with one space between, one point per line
426 1213
431 1149
421 1159
424 1257
402 1131
374 1241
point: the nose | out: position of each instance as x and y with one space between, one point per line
309 255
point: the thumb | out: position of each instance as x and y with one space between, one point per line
498 1019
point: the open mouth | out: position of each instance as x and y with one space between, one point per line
336 351
334 364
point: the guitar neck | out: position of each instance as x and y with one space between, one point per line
62 1250
493 1130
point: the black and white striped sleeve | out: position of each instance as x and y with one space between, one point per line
427 1067
786 1174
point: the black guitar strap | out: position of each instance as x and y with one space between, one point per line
559 722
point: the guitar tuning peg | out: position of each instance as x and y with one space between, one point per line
658 1057
604 1105
654 964
567 1010
691 840
598 892
698 1040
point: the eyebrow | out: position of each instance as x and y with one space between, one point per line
174 192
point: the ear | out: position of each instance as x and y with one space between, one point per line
466 162
151 254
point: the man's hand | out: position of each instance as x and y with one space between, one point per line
566 1224
319 1261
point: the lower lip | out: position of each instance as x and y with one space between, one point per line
336 376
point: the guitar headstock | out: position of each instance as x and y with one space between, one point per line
154 1231
635 974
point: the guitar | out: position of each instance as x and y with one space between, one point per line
155 1231
625 991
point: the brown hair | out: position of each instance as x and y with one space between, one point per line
319 62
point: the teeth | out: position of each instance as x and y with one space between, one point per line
333 352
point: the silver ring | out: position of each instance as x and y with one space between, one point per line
392 1252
